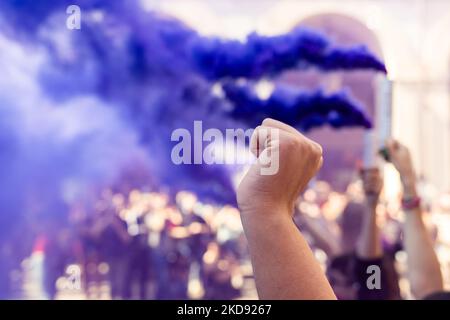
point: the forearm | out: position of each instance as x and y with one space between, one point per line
424 270
369 241
283 264
423 266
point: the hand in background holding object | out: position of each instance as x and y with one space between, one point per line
424 271
401 159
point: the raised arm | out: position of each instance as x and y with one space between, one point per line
424 271
368 245
369 250
283 263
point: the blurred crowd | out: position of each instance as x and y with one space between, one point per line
142 245
333 224
137 246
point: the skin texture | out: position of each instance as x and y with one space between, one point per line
283 263
424 271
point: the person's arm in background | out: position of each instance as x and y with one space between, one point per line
322 236
369 249
424 271
283 264
369 244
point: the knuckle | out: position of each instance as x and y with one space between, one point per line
294 143
320 163
318 148
267 122
314 150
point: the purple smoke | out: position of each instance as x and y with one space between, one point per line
262 56
304 110
79 107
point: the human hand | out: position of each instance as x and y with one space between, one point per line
401 159
298 160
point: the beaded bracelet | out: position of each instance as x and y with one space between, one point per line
411 203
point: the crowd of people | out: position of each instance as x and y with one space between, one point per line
359 265
145 245
141 246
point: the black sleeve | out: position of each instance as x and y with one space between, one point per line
442 295
363 277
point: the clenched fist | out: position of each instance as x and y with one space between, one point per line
286 162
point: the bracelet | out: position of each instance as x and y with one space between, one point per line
411 203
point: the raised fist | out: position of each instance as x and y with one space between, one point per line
286 162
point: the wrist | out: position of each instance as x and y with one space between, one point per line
409 184
410 203
267 215
371 204
371 200
409 189
265 207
